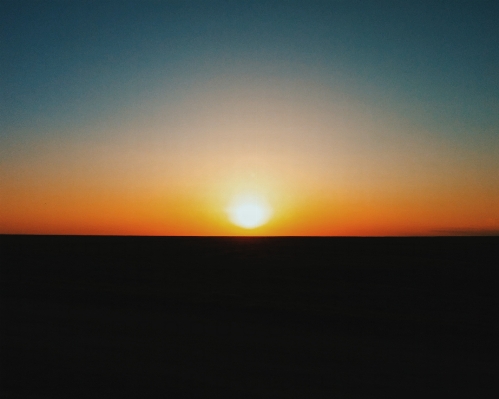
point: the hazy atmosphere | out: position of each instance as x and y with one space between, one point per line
249 118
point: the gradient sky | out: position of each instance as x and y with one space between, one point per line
348 117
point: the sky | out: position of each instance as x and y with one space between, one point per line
356 118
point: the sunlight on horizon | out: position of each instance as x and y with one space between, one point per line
249 211
160 118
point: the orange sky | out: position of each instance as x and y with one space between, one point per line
150 120
369 175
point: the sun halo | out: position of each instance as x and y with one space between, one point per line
249 212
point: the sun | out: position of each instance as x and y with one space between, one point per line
249 211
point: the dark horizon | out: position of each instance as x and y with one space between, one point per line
281 317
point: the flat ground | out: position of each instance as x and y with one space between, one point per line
247 317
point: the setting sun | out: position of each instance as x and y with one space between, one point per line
137 124
249 212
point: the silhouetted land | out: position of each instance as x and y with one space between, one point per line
247 317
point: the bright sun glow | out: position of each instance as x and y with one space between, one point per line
249 212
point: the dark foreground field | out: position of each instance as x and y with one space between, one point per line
102 317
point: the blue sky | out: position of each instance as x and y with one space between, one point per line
84 59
